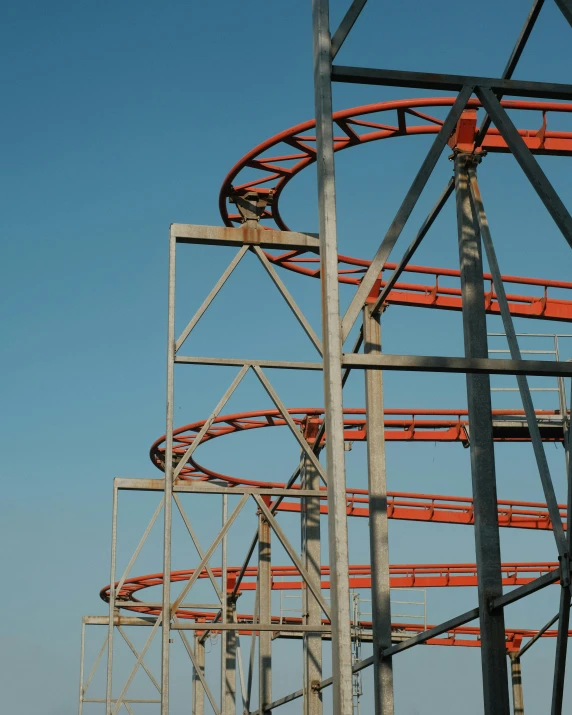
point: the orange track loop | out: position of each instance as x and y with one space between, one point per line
287 578
273 172
401 425
293 149
409 575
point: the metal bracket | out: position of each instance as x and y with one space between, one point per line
251 204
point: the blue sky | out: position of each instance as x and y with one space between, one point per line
120 118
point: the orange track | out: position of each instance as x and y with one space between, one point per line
294 149
402 576
441 509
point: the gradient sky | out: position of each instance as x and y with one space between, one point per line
120 118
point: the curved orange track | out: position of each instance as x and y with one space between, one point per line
550 300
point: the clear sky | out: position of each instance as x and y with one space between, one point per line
120 118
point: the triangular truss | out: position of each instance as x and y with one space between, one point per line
310 478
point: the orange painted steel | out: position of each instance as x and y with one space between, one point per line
287 578
401 425
357 127
278 170
402 576
444 297
439 509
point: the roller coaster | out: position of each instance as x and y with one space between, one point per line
255 186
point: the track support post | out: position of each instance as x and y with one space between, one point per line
311 558
332 347
378 525
516 678
198 697
229 705
487 542
265 606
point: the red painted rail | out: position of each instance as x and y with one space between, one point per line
287 578
401 425
435 294
441 509
408 575
551 300
294 149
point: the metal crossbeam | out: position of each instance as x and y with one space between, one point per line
513 61
222 236
314 588
346 25
284 292
566 9
211 296
533 428
290 422
423 637
404 212
414 245
528 162
470 365
210 551
450 82
208 423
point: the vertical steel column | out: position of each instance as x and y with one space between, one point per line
565 591
108 692
198 697
223 634
487 542
229 702
516 677
332 344
81 669
168 506
265 606
378 526
311 558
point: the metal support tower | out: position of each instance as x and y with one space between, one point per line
311 556
378 529
332 362
487 540
322 621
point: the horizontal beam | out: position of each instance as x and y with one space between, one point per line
422 363
430 363
240 362
211 625
346 25
250 627
114 700
118 621
432 632
454 82
198 487
223 236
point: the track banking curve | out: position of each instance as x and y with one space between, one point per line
288 578
403 425
550 299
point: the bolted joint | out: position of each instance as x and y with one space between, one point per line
471 159
315 686
250 204
564 560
